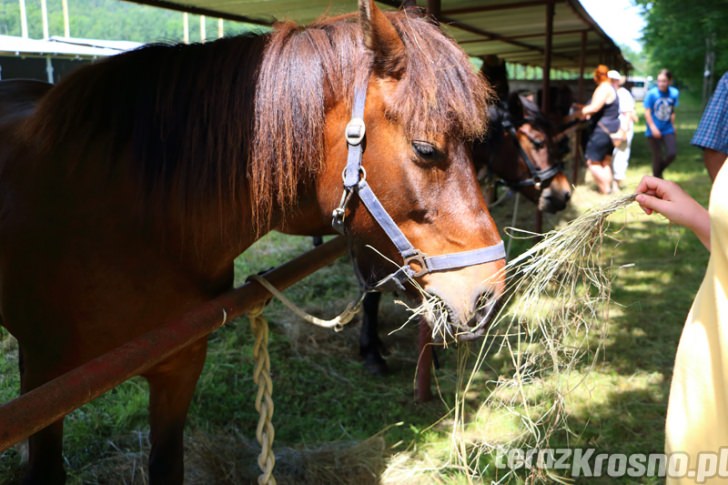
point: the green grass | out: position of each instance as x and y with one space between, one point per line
323 395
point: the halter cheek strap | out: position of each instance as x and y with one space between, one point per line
354 177
538 177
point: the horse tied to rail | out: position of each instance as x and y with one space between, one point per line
128 191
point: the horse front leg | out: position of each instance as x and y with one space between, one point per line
45 448
171 387
370 346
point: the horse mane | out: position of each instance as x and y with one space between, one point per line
438 94
199 123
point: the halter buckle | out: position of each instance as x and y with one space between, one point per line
419 261
355 130
339 214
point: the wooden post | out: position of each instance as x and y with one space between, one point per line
423 391
434 8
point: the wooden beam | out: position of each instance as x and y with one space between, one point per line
525 36
495 8
206 11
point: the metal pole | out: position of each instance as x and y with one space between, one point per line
49 69
44 18
44 405
186 27
23 20
546 87
66 22
576 150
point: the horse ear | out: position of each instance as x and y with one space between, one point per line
515 106
383 40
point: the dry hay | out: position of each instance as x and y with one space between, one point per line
230 458
552 322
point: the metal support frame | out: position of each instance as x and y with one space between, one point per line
546 87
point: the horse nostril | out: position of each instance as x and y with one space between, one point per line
567 196
486 308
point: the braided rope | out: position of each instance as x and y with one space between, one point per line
336 323
261 374
264 400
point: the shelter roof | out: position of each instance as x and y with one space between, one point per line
512 29
62 47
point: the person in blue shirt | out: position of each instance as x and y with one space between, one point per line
712 132
660 104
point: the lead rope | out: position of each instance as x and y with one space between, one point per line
265 433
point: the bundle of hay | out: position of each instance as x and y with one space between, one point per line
553 320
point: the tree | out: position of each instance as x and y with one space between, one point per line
110 20
679 35
637 59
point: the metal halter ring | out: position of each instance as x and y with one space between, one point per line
418 259
362 174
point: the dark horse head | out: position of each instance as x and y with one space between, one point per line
519 148
127 193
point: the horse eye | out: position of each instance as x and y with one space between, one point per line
424 149
538 145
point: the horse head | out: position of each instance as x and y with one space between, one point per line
409 201
528 138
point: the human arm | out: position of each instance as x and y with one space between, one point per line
668 199
599 98
651 123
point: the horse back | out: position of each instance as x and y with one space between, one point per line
19 98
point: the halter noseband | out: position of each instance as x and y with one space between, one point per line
354 176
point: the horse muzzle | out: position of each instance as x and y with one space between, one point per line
553 200
458 313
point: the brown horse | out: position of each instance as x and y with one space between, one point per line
128 192
19 97
519 148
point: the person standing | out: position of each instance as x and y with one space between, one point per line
627 119
660 103
712 132
603 110
697 412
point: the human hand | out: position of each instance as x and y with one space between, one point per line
667 198
656 134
